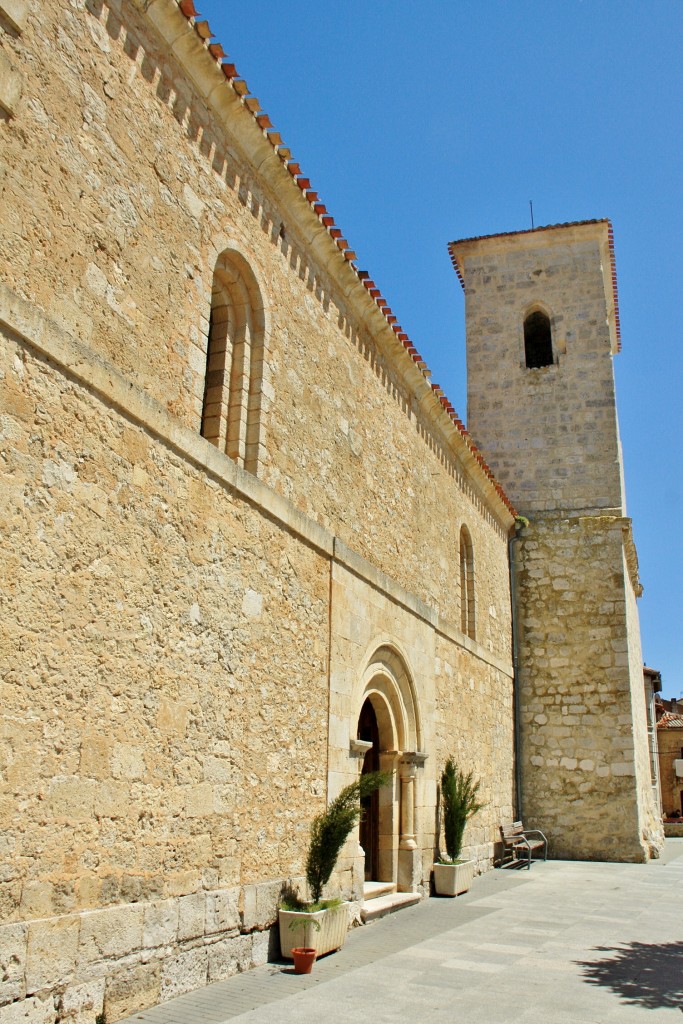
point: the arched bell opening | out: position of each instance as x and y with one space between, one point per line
538 340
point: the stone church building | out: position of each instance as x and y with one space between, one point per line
246 540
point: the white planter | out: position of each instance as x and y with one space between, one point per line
452 879
334 924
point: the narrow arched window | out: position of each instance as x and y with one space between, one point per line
538 341
233 387
467 600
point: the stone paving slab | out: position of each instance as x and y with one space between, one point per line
566 943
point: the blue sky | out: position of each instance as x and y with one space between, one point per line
422 123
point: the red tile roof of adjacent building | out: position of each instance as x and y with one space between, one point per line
670 720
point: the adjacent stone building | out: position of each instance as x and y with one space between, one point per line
243 532
670 756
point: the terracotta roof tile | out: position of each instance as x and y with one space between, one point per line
670 720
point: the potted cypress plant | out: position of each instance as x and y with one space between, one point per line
459 797
326 922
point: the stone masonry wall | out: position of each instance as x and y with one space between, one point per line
467 692
165 627
122 189
160 759
580 769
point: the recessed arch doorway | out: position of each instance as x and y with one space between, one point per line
389 728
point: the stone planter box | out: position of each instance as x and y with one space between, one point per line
334 924
452 879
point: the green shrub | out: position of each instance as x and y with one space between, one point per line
330 830
459 796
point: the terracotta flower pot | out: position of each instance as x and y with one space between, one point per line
304 958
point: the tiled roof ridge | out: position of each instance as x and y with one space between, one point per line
670 720
551 227
251 103
531 231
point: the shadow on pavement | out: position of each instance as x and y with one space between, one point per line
640 973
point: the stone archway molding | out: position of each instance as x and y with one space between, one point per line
387 682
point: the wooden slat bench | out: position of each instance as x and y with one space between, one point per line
519 843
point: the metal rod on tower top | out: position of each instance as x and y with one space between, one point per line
531 210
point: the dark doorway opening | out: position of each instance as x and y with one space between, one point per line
368 731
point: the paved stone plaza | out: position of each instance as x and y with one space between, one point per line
567 943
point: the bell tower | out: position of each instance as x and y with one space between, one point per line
542 328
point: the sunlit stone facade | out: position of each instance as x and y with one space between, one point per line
237 520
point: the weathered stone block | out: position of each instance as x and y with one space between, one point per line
12 962
267 899
111 799
261 946
133 990
72 798
127 761
37 1010
199 800
222 911
80 1004
37 899
160 924
229 956
10 84
623 768
110 933
184 973
191 916
249 907
15 12
51 953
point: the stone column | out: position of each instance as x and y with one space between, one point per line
357 751
389 828
409 854
408 776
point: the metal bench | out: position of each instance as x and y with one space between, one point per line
519 843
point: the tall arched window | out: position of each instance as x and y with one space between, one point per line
467 601
231 413
538 341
